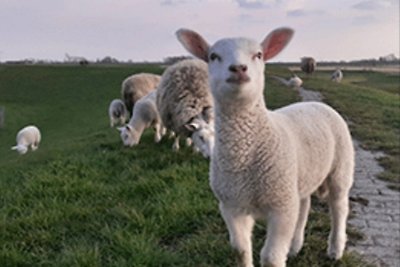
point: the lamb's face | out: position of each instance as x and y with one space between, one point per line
203 140
236 69
128 136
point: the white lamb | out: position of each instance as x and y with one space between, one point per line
137 86
145 115
28 136
337 76
185 104
266 164
295 82
117 112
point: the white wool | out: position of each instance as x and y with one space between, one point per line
266 164
28 136
185 104
145 115
117 112
295 82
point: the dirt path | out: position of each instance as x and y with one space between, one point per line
375 209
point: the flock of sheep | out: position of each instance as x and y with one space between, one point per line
264 164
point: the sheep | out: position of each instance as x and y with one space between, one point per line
308 65
145 115
28 136
137 86
295 82
266 164
117 112
337 76
185 104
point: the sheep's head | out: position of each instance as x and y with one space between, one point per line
21 149
202 134
236 65
129 135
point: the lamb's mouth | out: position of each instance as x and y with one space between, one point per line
238 79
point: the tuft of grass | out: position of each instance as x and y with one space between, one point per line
83 199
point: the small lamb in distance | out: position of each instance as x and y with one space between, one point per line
28 136
117 112
137 86
185 104
266 164
337 76
295 82
145 115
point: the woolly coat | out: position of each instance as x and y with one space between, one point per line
137 86
184 94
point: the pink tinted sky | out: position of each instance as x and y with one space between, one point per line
143 30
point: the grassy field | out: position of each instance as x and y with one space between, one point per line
84 200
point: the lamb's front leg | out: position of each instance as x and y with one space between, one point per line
158 132
240 227
280 230
298 237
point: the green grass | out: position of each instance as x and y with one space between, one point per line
84 200
370 101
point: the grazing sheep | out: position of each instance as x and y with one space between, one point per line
145 115
295 82
137 86
185 104
117 112
308 65
266 164
337 76
28 136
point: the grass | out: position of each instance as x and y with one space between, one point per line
84 200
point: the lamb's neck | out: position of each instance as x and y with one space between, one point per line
237 135
138 124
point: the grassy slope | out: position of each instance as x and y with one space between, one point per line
84 200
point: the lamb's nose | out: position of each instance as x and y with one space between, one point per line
238 68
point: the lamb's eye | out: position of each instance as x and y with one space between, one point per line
259 55
214 56
201 138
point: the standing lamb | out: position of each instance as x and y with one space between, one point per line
145 115
137 86
185 103
117 112
28 136
308 65
295 82
266 164
337 76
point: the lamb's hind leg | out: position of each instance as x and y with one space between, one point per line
298 237
339 209
240 226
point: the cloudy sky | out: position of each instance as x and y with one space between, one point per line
143 30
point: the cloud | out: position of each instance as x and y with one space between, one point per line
296 13
372 4
364 20
172 2
255 4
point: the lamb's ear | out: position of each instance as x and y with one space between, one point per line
276 41
194 43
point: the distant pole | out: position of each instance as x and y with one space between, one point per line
2 115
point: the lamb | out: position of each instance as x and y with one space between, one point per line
137 86
266 164
117 112
145 115
308 65
28 136
295 82
185 103
337 76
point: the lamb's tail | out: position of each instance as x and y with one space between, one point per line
323 190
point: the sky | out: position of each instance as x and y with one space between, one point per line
144 30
